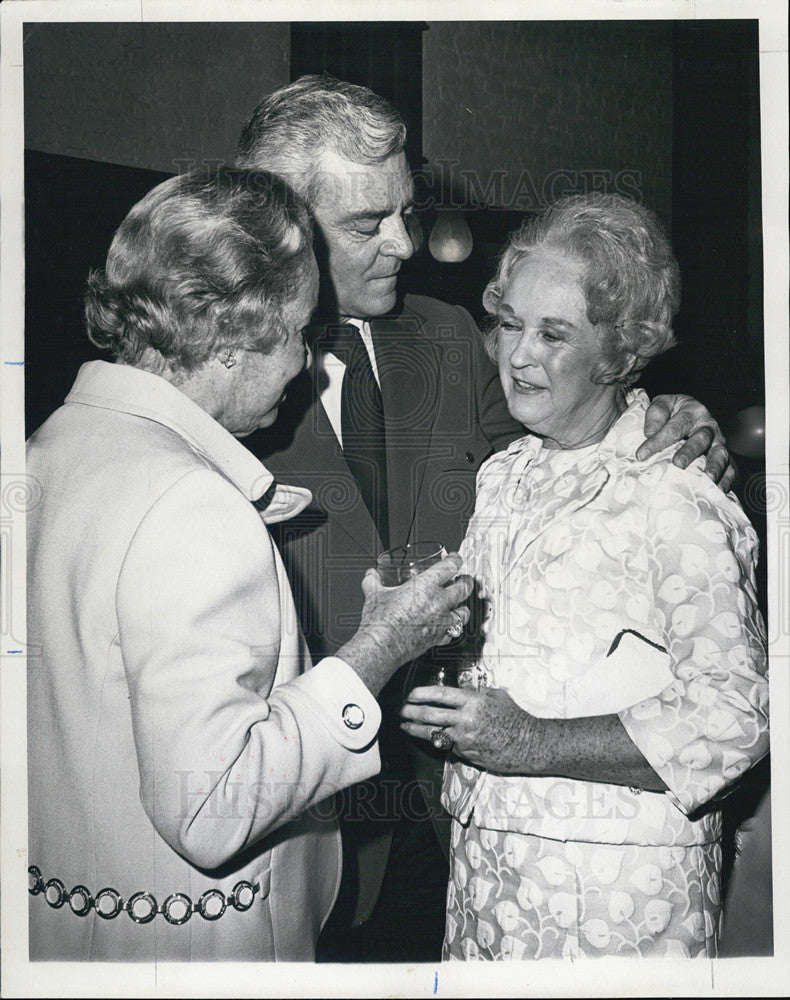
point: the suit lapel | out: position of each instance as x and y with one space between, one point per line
302 450
408 367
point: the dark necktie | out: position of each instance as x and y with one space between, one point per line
362 426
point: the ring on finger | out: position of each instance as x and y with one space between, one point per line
441 739
455 630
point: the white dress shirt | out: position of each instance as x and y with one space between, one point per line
332 371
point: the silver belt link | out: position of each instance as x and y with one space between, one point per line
142 907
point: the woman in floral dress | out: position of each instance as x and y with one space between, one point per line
620 664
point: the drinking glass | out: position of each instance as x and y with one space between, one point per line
445 666
400 564
396 566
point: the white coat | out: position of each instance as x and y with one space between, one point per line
178 742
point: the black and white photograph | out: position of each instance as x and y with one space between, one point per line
394 502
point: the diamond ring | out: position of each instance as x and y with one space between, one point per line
455 630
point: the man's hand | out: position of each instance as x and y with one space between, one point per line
677 417
487 727
398 624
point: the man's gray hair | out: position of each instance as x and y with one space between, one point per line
294 124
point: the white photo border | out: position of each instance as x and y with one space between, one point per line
604 977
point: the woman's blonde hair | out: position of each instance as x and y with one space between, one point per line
203 262
631 279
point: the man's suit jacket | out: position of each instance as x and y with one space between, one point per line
445 413
175 740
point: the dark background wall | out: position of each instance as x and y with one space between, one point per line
148 95
579 97
552 106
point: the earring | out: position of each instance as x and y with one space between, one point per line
230 358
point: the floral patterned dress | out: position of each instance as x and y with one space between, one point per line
611 586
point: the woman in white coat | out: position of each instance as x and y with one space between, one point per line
182 755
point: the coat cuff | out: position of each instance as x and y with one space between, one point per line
344 704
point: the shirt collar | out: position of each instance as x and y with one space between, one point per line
143 394
361 324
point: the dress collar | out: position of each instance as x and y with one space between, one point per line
621 440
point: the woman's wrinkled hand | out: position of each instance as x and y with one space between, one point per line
399 624
674 418
487 727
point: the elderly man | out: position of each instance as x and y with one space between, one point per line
388 432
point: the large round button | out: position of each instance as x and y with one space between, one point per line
55 893
353 716
243 896
211 904
35 883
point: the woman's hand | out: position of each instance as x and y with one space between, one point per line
673 418
492 732
398 624
487 727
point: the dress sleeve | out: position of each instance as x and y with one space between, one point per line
233 737
710 724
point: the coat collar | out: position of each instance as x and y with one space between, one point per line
131 390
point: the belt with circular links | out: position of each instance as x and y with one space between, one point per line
142 907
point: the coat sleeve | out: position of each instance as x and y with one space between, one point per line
710 724
233 738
